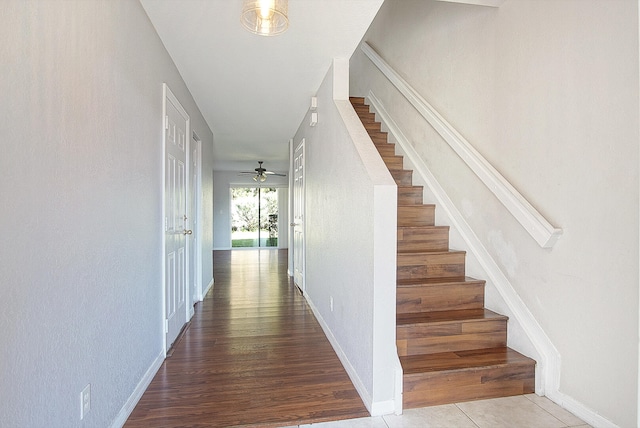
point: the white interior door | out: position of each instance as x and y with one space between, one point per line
176 254
298 216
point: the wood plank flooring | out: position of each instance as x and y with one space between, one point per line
253 355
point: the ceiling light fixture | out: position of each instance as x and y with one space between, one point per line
265 17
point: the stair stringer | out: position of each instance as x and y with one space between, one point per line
525 333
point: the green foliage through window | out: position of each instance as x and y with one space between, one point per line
247 224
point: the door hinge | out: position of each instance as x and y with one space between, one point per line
166 122
166 326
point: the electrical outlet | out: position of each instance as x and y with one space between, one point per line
331 303
85 401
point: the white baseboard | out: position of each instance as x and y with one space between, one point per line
381 408
135 396
209 287
351 372
580 410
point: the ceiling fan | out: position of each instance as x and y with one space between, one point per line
260 174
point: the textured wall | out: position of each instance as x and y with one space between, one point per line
342 229
548 93
81 131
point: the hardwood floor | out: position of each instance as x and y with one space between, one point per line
254 355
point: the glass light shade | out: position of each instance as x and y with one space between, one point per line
265 17
260 177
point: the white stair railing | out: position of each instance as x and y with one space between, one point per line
545 234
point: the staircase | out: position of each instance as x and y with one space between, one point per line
451 348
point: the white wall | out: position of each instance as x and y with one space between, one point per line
223 181
81 132
350 233
548 93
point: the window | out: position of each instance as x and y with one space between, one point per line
254 217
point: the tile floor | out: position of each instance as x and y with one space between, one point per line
524 411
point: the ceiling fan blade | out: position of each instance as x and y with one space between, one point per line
275 173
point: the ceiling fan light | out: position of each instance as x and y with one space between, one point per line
265 17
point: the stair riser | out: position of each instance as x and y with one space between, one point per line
416 215
425 265
459 336
372 126
410 195
435 388
386 149
431 238
393 162
442 297
402 177
366 116
379 137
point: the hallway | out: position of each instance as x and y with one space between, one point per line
253 354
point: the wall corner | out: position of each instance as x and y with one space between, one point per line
340 78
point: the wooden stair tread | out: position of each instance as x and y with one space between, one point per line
409 228
421 238
462 360
420 282
430 253
440 317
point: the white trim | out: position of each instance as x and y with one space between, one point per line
538 227
399 380
490 3
580 410
135 396
638 378
547 370
198 227
380 408
209 287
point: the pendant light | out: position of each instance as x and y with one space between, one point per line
265 17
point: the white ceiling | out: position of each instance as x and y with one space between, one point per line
253 90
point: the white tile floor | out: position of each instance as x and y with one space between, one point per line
524 411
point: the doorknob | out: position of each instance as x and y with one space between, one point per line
187 232
294 224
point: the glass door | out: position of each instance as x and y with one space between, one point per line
254 217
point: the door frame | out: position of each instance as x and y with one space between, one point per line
168 95
197 228
303 207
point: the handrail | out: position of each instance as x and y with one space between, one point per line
533 222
